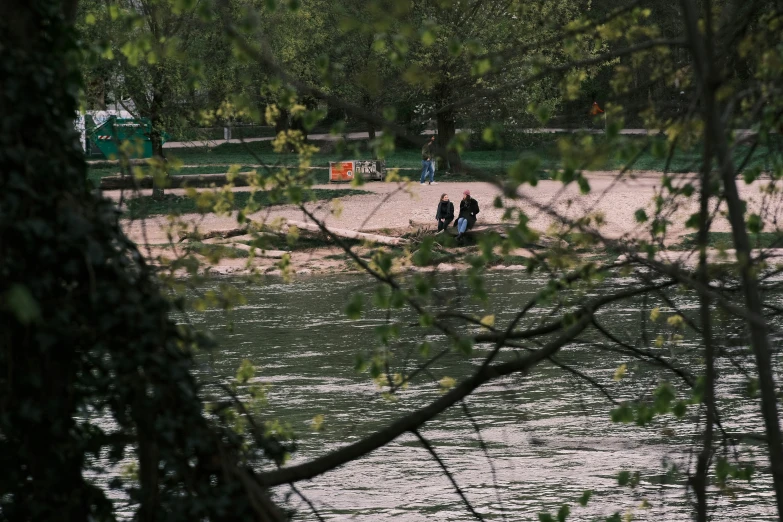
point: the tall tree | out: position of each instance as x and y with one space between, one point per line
467 50
86 329
161 58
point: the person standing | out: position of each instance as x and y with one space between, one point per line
445 212
427 162
468 208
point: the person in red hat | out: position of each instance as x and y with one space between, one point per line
468 208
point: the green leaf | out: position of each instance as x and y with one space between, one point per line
623 478
664 396
541 113
751 174
464 345
563 513
354 308
755 224
317 424
680 409
387 332
360 362
426 320
382 297
659 148
584 185
397 299
752 387
545 517
481 67
693 221
389 113
623 413
641 216
585 498
423 255
245 372
455 47
20 302
488 135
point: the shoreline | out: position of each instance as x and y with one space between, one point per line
406 209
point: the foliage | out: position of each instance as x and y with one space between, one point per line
86 331
89 331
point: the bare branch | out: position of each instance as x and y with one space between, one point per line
484 448
428 446
413 420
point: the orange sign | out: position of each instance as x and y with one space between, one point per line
341 171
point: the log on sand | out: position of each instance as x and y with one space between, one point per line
222 234
301 225
350 234
258 252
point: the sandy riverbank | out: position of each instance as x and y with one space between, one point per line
393 208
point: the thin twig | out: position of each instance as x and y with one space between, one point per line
428 446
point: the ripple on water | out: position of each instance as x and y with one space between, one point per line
548 434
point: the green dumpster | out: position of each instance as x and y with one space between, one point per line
108 138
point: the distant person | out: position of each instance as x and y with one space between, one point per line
445 212
468 208
427 163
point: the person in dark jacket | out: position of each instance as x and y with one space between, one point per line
468 208
445 212
427 162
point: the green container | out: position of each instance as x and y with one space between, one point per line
110 136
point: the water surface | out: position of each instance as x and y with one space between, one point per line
547 435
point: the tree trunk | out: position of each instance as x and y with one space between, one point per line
97 89
282 123
371 135
298 124
158 181
334 114
715 136
701 478
41 351
447 129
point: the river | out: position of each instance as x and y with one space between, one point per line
547 435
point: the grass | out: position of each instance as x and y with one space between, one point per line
546 147
145 206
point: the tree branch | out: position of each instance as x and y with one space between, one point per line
419 417
428 446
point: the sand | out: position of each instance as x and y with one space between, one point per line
395 207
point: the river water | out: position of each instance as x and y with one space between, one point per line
547 436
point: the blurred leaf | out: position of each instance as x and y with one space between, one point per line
20 302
